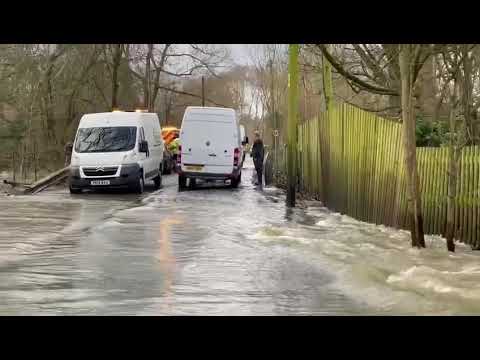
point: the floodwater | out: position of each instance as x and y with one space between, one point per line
217 251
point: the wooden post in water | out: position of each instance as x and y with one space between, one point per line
203 91
13 165
292 124
35 159
24 162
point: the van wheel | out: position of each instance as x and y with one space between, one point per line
139 185
166 168
158 181
182 182
74 190
235 182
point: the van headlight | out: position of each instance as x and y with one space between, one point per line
129 158
74 160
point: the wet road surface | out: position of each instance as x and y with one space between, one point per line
217 251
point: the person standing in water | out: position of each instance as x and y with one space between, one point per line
257 155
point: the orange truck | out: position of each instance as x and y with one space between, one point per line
169 134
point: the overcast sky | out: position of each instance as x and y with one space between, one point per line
239 53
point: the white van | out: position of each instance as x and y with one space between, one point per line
117 149
210 146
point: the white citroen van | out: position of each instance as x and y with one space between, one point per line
117 149
210 146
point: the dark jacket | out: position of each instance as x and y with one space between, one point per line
257 152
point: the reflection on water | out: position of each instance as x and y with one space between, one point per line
166 257
217 252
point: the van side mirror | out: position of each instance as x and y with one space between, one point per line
143 146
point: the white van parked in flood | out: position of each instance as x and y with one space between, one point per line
117 149
210 146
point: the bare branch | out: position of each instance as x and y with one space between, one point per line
355 79
369 60
189 94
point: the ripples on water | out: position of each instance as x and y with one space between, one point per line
378 265
218 252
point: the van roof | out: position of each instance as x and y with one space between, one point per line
200 113
119 114
123 118
207 108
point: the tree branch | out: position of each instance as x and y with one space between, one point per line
189 94
354 79
370 62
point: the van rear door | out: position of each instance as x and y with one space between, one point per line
208 142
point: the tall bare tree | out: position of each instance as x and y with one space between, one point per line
389 70
457 85
408 55
151 62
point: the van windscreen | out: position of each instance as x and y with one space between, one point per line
106 139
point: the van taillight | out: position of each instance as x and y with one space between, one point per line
236 156
179 156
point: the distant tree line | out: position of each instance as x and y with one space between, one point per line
46 88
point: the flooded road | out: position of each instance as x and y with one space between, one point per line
217 251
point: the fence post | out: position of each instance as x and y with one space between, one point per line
292 124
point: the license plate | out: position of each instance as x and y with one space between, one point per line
100 182
194 168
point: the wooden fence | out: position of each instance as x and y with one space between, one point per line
353 162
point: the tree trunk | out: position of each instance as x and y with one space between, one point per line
406 56
117 57
156 88
49 117
158 71
327 83
49 112
467 92
82 79
292 124
168 107
453 157
391 50
146 82
305 100
22 161
426 89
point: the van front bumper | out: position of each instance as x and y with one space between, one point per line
128 178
